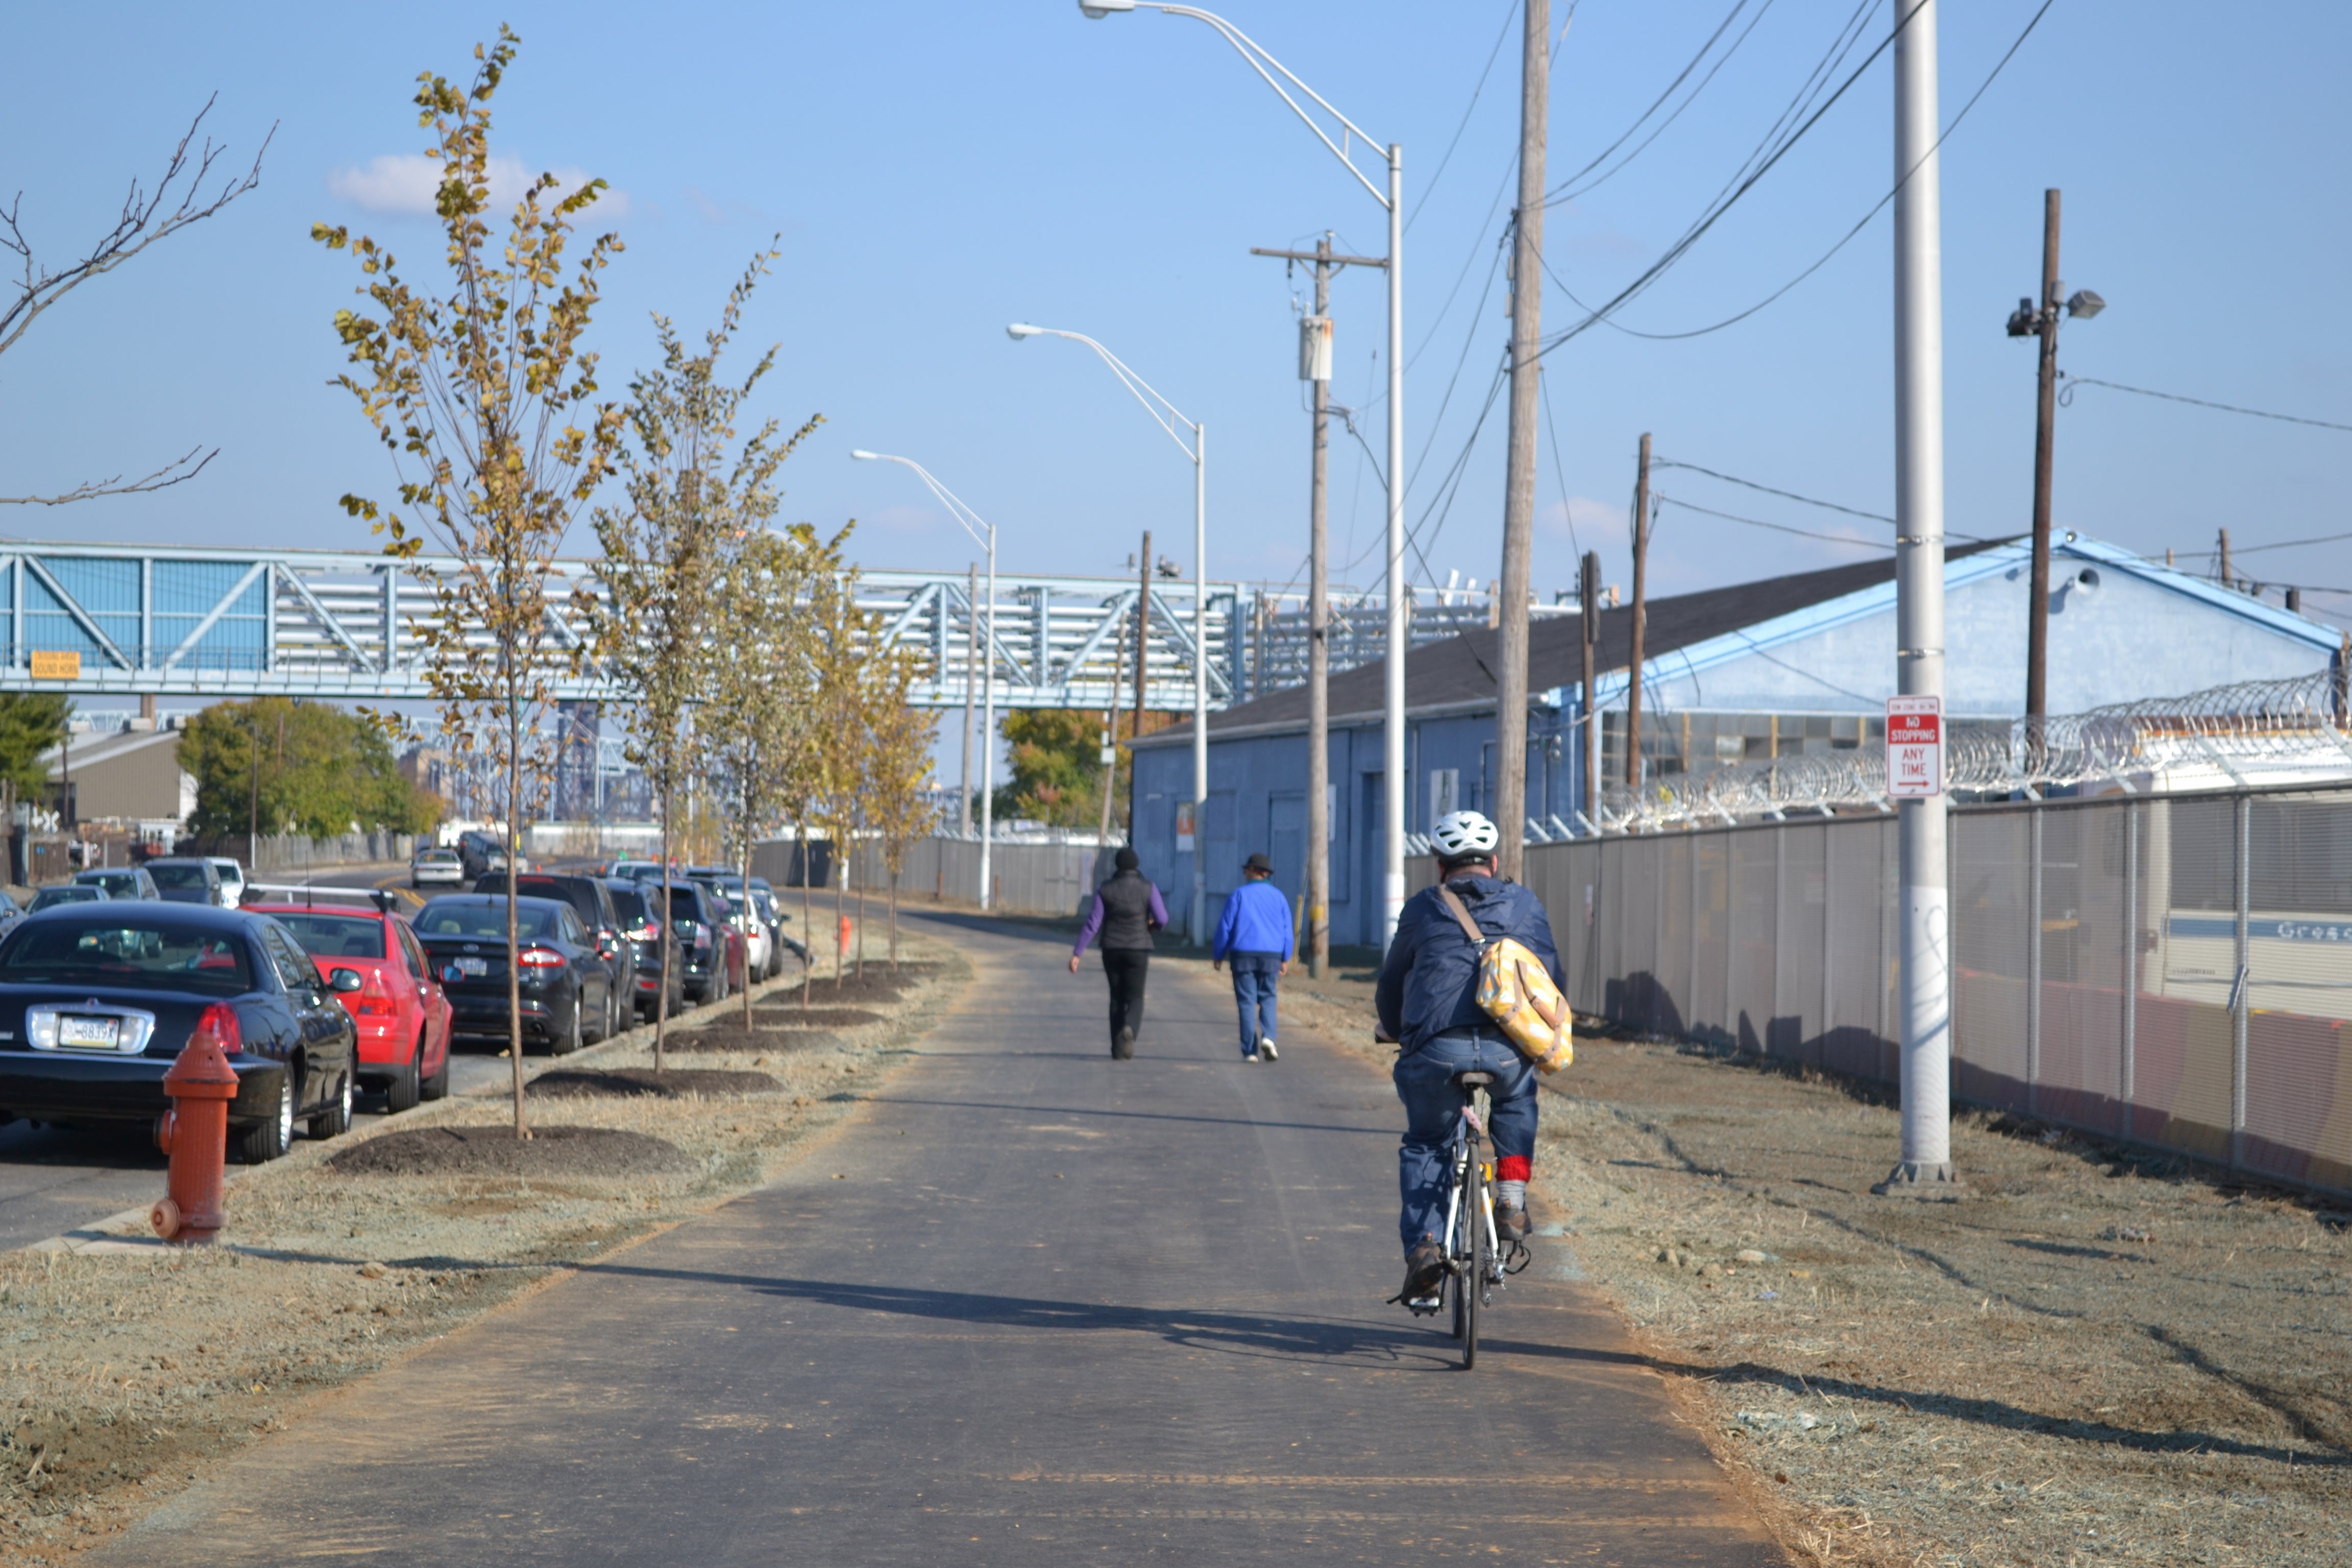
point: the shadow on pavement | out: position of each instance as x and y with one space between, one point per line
1125 1115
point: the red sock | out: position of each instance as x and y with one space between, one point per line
1514 1167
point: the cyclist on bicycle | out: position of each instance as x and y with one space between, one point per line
1428 1002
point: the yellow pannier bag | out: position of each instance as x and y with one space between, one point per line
1516 991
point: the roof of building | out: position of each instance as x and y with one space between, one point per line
1458 675
90 751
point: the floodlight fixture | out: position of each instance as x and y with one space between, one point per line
2085 305
2022 322
1020 330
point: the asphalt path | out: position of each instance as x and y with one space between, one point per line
57 1179
1025 1304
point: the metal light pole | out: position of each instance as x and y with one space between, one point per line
1167 416
985 532
1392 794
1925 1168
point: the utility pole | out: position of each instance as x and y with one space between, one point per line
1511 802
1314 367
1640 617
2227 579
971 678
1588 600
1143 634
1110 733
1925 949
2037 623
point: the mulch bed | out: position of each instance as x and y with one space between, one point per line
793 1016
671 1083
497 1152
877 985
736 1038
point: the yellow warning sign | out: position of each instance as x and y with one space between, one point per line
50 665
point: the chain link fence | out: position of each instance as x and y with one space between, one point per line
2173 971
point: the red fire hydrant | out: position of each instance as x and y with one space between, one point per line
194 1131
842 936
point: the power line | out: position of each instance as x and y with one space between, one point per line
1775 527
2066 397
1561 193
1849 235
1770 491
1510 10
2288 544
1724 203
1543 389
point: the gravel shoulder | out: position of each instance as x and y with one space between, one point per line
133 1366
2096 1356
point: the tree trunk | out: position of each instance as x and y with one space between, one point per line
808 917
661 1002
514 856
751 913
840 909
861 928
893 920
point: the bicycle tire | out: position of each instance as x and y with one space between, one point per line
1474 1282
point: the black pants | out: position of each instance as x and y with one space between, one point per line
1124 967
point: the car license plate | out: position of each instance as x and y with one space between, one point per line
473 968
89 1034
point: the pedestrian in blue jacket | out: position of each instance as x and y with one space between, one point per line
1253 934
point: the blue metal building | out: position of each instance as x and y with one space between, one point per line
1780 667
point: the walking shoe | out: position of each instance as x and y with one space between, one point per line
1265 1048
1424 1267
1250 1058
1511 1221
1122 1045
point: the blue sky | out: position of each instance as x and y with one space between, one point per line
936 170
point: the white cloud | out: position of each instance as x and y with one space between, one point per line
1599 524
402 185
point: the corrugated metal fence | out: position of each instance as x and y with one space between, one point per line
2177 970
1031 879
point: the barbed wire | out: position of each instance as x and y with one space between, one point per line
2247 732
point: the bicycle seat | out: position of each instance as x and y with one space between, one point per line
1474 1079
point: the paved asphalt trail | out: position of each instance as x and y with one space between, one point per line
1062 1310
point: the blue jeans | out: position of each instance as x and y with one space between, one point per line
1254 982
1432 1107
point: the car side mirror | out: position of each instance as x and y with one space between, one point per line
343 982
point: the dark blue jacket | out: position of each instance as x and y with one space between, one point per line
1429 984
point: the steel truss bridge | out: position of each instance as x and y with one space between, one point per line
194 622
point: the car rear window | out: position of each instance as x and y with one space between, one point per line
442 918
628 904
139 955
180 876
439 856
336 936
124 884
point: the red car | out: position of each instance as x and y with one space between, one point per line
372 960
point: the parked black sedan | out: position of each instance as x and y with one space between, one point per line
562 979
97 999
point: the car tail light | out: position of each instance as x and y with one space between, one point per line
372 1001
701 936
650 931
539 958
218 1023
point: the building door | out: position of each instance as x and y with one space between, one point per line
1285 842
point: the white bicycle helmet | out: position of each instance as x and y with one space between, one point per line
1464 833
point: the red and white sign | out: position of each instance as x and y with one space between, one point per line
1915 746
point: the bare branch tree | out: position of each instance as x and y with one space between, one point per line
177 200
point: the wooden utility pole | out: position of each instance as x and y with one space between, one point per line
1314 368
1588 601
2227 579
1142 634
1641 610
2037 623
1510 807
1110 733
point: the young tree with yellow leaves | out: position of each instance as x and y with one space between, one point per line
486 396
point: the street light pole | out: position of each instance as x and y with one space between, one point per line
1168 417
1925 962
984 531
1392 794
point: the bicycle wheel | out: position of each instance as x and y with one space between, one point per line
1472 1281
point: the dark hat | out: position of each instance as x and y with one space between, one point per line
1126 859
1258 863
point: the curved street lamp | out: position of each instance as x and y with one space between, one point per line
985 532
1168 416
1392 201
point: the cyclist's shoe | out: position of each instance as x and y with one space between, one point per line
1425 1270
1511 1222
1265 1048
1122 1045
